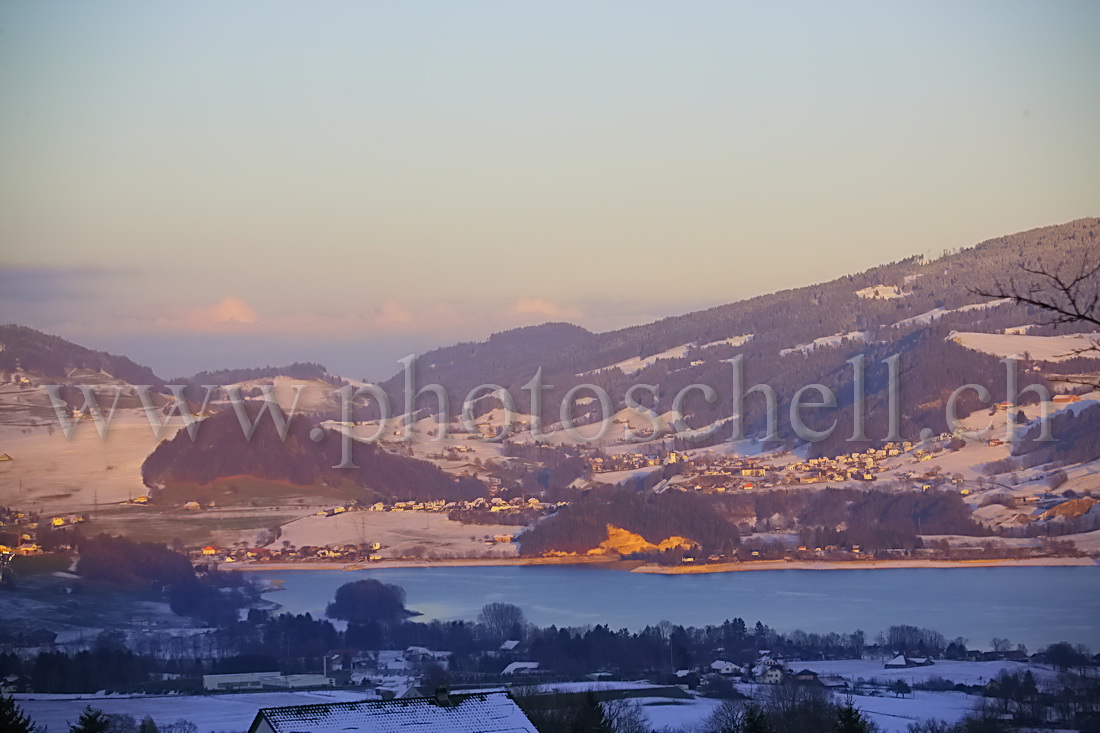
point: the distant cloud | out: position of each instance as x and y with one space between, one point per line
227 312
434 323
540 307
392 314
228 315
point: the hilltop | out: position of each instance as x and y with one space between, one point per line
923 310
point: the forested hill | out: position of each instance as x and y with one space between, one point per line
778 320
798 337
221 450
221 377
52 356
23 348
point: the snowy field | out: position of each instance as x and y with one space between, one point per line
895 714
834 340
636 364
1043 348
55 475
234 712
969 673
208 712
892 714
927 317
885 292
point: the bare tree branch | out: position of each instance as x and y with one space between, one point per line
1066 297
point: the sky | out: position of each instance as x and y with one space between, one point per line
208 184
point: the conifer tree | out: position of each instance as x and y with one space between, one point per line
849 719
12 718
91 721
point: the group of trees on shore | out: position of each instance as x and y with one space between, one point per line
211 596
872 519
582 525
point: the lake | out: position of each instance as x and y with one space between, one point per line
1035 606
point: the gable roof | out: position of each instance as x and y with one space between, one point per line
493 712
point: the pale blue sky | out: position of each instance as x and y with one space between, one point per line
269 179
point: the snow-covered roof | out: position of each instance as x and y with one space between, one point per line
899 660
519 667
509 645
494 712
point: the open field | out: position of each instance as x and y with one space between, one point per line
1041 348
220 526
208 712
51 474
399 533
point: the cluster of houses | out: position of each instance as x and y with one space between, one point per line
351 552
847 466
708 472
23 528
767 670
490 504
603 463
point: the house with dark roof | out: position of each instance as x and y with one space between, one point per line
833 682
489 712
805 677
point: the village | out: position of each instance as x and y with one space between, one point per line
893 686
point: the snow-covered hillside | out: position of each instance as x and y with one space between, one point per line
928 316
1041 348
835 340
884 292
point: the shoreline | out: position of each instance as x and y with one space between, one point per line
639 567
766 565
391 564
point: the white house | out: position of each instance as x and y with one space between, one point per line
723 667
774 675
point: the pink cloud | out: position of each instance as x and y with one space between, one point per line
542 308
229 312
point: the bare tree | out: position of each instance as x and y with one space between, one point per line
626 716
502 619
1065 293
